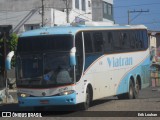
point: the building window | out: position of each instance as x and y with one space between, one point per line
107 11
89 3
77 4
104 8
83 5
28 27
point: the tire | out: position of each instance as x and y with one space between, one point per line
130 94
133 92
136 90
87 102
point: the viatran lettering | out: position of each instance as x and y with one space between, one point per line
119 62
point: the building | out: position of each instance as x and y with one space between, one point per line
154 37
26 15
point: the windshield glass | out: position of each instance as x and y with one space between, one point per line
44 68
45 43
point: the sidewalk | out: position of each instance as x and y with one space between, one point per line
12 97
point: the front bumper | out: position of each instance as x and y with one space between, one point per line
47 101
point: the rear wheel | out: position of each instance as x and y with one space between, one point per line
136 90
131 91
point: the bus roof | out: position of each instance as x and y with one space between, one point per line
59 30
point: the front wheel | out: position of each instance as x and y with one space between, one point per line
87 102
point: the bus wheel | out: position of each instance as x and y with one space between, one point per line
87 102
136 90
131 90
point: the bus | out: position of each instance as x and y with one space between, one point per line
75 65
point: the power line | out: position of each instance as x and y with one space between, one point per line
134 11
136 5
142 15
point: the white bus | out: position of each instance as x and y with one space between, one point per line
76 65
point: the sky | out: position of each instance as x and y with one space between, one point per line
150 19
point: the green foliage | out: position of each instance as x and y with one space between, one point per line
11 44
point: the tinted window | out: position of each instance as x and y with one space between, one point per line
108 44
132 39
79 54
45 43
145 37
117 40
98 41
88 43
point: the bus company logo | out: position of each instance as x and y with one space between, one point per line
6 114
119 62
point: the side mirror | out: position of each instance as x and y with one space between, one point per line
73 56
8 60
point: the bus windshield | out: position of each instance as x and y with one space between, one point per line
45 43
46 67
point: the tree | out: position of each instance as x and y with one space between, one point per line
11 43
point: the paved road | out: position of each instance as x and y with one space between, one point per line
149 100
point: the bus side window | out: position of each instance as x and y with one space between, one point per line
79 54
117 40
88 43
140 38
137 39
145 39
98 41
108 40
125 40
132 40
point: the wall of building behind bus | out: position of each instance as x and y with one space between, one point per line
13 11
98 10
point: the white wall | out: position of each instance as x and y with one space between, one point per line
109 1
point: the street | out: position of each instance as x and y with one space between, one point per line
149 100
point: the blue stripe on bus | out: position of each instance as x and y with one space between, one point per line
52 100
123 86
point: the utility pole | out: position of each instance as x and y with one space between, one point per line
67 10
4 69
134 11
42 13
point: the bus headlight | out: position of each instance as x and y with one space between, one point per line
66 92
23 95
